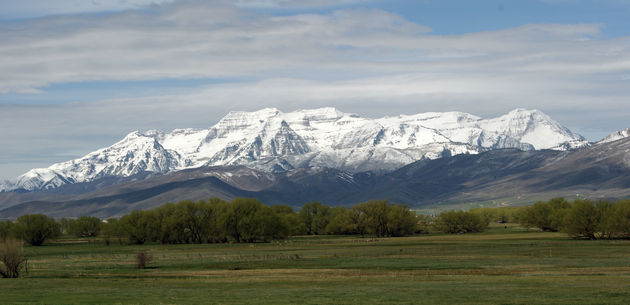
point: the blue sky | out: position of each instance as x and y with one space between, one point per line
79 75
458 17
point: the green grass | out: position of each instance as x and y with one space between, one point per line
501 266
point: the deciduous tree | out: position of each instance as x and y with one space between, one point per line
35 229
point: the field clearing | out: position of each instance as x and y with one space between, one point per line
502 266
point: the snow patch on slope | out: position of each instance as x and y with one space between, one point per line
617 135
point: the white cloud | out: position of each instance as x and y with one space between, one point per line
192 40
365 61
44 134
294 3
82 127
22 9
36 8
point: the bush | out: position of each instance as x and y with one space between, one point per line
12 258
248 220
381 218
35 229
488 215
460 222
292 219
424 223
582 220
401 220
142 259
547 216
315 217
606 227
5 230
139 226
340 222
110 229
270 225
620 220
86 226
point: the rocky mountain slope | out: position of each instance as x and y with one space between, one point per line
616 136
501 176
272 141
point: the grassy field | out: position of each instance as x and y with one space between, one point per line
501 266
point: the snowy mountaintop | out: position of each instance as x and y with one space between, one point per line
272 140
617 135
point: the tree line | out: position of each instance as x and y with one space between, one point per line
249 220
580 218
219 221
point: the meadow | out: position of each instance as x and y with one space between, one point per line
504 265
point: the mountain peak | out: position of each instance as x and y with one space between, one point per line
330 112
617 135
138 137
523 112
133 135
265 112
271 140
535 128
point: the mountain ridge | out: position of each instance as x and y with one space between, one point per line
616 135
272 141
494 177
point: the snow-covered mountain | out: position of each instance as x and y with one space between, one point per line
273 141
617 135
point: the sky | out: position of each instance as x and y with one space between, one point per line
79 75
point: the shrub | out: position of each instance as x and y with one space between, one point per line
35 229
488 215
460 222
5 230
606 211
382 218
86 226
401 220
110 229
142 259
139 226
248 220
582 220
291 218
340 222
315 217
424 223
620 220
12 258
547 216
